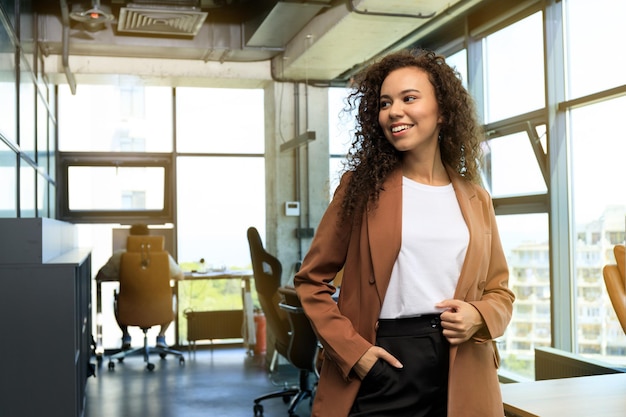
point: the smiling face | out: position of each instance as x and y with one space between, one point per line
409 113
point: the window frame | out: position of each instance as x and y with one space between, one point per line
116 159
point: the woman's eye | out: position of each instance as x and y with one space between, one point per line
410 98
384 104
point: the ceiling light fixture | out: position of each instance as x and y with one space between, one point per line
93 18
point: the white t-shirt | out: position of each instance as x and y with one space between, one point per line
434 242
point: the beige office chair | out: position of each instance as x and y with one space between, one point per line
615 281
145 296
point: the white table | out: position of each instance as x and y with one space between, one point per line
585 396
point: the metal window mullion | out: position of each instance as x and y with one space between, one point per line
561 243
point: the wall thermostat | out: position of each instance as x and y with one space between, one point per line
292 208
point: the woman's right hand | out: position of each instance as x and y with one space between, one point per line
369 358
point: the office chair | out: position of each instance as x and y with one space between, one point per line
145 294
615 282
303 347
267 271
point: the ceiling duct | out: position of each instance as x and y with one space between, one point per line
161 19
278 25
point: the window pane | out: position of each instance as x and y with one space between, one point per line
341 133
514 77
510 167
336 168
340 123
220 120
8 181
594 32
113 188
27 110
218 201
8 115
42 197
599 208
27 190
458 61
110 118
525 241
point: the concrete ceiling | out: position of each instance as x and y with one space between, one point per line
316 41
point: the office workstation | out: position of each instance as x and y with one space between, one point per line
238 124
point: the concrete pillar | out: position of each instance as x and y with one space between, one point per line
295 175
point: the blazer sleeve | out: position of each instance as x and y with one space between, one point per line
313 282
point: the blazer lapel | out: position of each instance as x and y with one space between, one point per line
384 234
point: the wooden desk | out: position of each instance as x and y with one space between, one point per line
249 336
248 307
586 396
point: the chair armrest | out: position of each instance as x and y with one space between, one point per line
291 309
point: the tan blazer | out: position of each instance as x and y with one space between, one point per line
367 252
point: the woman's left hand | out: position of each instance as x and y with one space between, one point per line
460 321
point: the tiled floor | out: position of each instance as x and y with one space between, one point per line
212 383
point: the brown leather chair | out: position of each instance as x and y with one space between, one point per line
615 281
145 295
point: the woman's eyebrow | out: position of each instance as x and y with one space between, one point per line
408 90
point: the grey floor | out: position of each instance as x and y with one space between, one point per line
222 382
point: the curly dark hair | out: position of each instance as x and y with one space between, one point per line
371 157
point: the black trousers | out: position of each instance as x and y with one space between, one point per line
420 388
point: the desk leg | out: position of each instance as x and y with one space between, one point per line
176 312
249 337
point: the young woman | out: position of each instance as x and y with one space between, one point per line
424 288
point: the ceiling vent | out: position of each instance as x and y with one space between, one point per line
160 20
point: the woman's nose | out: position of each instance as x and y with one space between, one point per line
395 110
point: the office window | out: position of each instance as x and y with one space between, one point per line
598 150
114 118
221 195
116 188
218 199
594 33
514 69
511 167
525 242
107 187
27 121
8 115
341 126
219 120
27 189
8 181
458 61
43 192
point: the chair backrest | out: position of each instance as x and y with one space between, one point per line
615 281
267 271
303 344
145 297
